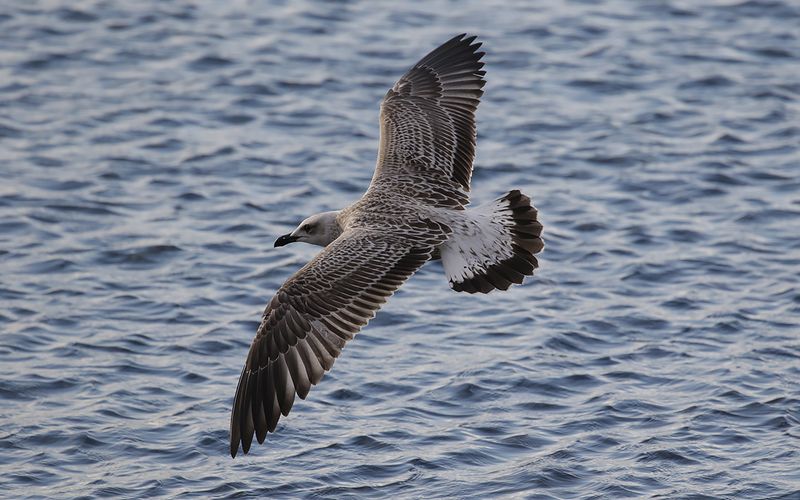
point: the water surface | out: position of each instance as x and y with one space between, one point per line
152 151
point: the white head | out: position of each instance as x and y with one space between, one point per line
319 229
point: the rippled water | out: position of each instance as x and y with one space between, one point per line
152 151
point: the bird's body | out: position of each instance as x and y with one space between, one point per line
413 211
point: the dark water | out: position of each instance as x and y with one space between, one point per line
150 152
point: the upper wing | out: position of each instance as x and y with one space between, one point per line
305 326
428 124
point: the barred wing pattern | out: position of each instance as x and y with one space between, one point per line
428 124
312 316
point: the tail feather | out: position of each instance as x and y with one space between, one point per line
496 246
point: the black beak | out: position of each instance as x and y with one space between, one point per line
285 240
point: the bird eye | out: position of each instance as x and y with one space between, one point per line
307 228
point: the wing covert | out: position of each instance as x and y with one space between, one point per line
307 323
428 121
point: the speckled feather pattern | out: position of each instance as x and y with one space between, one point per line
412 211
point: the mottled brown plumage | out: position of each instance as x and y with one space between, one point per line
412 212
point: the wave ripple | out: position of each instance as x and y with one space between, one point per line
152 151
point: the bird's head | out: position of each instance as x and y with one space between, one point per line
319 229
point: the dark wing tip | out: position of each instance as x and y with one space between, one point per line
473 47
460 47
236 433
234 442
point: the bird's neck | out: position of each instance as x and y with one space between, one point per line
331 228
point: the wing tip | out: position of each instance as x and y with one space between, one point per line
464 44
469 41
234 444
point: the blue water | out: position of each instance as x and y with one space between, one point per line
150 153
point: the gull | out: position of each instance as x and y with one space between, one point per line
413 211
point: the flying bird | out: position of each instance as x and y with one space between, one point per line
413 211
